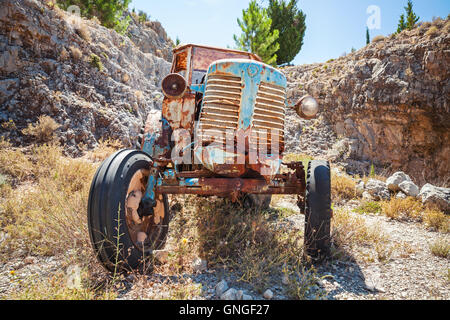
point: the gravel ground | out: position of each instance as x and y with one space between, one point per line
408 274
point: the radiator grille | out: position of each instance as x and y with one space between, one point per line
269 115
220 110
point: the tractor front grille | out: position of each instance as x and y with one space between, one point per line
269 115
221 103
220 112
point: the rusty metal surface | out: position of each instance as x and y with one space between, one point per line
249 55
203 57
180 112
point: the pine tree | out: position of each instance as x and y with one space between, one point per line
290 22
367 36
411 18
401 24
257 37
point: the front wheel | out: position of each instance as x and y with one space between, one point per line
122 235
318 210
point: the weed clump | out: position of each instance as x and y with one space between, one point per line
43 130
96 62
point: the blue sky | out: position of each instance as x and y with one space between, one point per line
333 26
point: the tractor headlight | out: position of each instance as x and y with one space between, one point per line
174 86
307 107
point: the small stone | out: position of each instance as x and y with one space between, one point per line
409 188
268 294
199 265
221 287
29 260
360 188
161 256
230 294
401 195
394 181
239 295
285 279
367 196
247 297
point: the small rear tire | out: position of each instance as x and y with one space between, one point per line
318 210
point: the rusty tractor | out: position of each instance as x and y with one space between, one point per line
221 133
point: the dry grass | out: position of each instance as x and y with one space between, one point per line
437 220
13 162
57 287
378 39
371 207
351 234
411 209
76 53
440 248
230 237
446 28
104 149
43 130
408 209
432 32
49 218
343 187
46 215
83 31
63 55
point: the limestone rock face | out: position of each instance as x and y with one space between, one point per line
388 102
47 67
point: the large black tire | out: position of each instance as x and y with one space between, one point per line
106 210
318 210
257 201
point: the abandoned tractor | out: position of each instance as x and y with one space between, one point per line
220 133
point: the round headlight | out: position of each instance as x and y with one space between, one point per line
174 86
307 107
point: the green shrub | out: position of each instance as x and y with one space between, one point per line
109 13
96 62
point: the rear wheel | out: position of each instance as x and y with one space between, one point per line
114 205
318 210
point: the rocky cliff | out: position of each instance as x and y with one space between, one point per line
388 103
94 82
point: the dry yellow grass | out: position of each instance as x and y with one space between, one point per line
437 220
63 55
83 31
49 218
46 215
43 130
13 162
408 209
351 230
440 248
432 31
343 187
228 236
105 148
378 39
76 53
